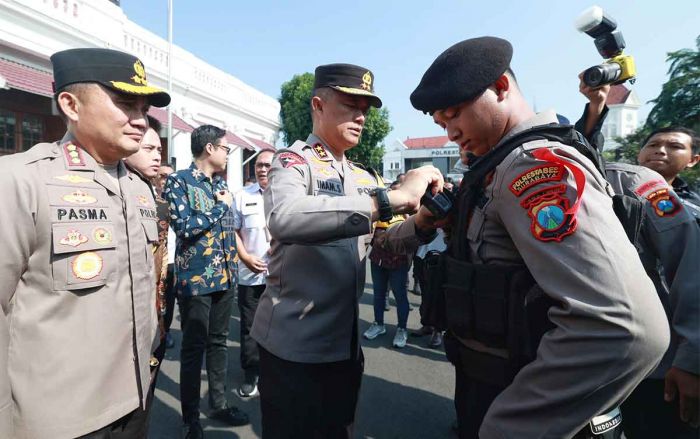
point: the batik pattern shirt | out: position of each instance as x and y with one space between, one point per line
205 253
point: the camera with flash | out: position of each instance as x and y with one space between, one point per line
617 67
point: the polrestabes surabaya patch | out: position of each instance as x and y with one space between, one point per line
535 176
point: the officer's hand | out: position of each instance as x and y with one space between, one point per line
595 95
686 386
426 221
255 264
224 196
406 199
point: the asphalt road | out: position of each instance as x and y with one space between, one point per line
406 393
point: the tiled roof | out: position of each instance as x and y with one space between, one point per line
25 78
426 142
260 143
234 139
162 115
618 95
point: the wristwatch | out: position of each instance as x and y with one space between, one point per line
385 212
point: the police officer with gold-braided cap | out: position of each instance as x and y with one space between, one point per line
552 319
78 321
320 211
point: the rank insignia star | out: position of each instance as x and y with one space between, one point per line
320 151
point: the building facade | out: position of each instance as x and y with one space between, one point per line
32 30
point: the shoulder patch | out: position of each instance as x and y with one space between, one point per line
535 176
289 159
664 204
649 186
550 212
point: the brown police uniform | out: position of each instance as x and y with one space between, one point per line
76 285
545 208
319 214
78 322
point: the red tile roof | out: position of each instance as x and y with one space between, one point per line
426 142
260 143
25 78
238 141
162 115
618 95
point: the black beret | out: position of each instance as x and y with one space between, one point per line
349 79
113 69
462 73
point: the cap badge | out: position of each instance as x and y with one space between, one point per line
140 76
367 81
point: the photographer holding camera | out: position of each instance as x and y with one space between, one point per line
552 320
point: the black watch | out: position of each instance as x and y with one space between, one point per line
385 212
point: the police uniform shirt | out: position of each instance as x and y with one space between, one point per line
690 199
76 289
670 251
319 215
249 220
547 206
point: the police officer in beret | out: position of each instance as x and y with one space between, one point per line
320 210
553 321
78 322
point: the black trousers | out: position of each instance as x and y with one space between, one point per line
205 325
248 298
308 401
170 295
645 414
132 426
473 399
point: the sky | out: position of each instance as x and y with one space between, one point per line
265 43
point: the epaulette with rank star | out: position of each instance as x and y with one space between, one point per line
72 154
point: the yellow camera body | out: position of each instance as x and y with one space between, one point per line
627 67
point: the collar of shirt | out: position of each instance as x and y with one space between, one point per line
200 176
544 118
253 188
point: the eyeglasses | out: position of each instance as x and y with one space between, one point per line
225 147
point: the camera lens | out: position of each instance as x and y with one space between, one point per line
602 74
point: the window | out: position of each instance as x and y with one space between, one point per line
19 131
32 129
7 131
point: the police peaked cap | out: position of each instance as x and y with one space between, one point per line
349 79
118 71
461 73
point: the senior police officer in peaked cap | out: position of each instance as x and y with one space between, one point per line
78 321
320 209
552 319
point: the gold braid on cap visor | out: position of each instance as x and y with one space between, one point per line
136 89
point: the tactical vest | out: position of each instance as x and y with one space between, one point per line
501 306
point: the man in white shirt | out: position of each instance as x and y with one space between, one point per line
253 240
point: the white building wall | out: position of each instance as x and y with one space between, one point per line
32 30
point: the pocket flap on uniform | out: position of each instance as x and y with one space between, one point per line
75 237
75 196
151 230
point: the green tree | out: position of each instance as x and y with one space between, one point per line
677 104
295 107
296 124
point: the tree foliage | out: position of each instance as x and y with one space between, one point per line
677 104
295 102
